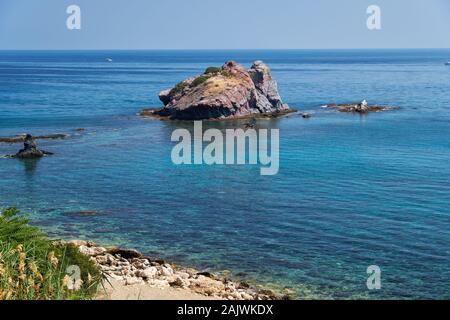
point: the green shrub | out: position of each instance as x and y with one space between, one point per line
32 267
15 229
199 80
178 88
212 70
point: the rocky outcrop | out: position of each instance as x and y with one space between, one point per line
268 98
21 138
227 92
30 150
362 107
130 268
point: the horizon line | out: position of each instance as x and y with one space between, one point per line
235 49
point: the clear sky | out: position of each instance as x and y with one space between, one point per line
225 24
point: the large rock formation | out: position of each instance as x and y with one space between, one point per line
227 92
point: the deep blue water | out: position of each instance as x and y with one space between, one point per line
352 191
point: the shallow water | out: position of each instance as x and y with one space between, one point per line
352 190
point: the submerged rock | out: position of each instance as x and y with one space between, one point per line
30 150
84 213
22 138
306 115
227 92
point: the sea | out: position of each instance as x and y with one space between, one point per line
352 191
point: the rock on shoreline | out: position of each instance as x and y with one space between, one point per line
130 267
227 92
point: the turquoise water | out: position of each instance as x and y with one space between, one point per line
352 190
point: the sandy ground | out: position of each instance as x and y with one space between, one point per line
118 291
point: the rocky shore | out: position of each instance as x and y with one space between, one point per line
130 268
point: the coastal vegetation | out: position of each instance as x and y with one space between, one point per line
33 267
212 70
179 87
199 80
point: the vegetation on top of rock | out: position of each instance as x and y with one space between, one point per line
212 70
32 267
199 80
178 88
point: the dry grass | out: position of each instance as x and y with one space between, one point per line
33 268
220 83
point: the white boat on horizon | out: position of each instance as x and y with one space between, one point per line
109 60
447 63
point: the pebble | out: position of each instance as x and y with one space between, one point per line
166 271
148 273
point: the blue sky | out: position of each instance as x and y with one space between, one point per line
230 24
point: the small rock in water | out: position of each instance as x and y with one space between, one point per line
306 115
362 107
56 136
85 213
30 150
21 138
